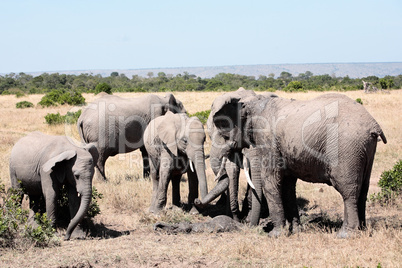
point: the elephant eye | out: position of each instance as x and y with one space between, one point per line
184 140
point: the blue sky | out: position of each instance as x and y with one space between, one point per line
90 35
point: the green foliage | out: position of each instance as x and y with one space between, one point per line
294 86
56 119
359 100
14 229
391 185
103 87
63 212
56 97
24 104
386 83
203 116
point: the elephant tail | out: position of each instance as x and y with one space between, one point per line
80 126
379 133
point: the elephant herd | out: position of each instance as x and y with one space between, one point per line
330 139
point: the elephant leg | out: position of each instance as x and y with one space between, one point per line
176 190
100 168
164 178
290 203
155 184
192 187
74 202
145 161
36 205
362 203
273 193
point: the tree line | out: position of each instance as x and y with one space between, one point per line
27 84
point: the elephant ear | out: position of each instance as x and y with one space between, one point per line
225 111
167 133
64 156
173 104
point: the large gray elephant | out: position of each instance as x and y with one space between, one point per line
175 144
41 164
235 160
116 125
330 139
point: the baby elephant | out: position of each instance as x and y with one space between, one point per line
174 142
41 164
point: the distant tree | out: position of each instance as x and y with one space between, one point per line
150 74
114 74
103 87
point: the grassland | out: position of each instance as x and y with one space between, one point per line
125 237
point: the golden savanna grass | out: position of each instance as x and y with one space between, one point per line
127 198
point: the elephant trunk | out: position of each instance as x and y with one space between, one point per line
201 176
219 188
257 192
86 197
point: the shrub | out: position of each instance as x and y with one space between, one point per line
24 104
294 86
391 185
359 100
63 211
203 116
61 96
14 230
103 87
56 119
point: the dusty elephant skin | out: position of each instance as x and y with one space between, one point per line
218 224
116 125
41 164
330 139
175 144
236 160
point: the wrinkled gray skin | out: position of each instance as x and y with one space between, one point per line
235 159
43 163
330 139
172 142
116 125
218 224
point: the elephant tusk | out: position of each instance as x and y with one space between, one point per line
191 166
248 178
224 159
78 194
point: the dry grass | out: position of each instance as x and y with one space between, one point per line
127 198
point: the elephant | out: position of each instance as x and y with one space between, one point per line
174 142
236 160
218 224
41 164
330 139
116 125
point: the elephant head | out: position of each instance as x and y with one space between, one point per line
75 167
184 136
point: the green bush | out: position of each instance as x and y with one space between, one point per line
61 96
294 86
56 119
203 116
63 211
103 87
359 100
391 185
24 104
14 230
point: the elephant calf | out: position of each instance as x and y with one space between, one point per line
41 164
174 142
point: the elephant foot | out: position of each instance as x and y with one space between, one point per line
78 233
194 210
345 233
277 232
